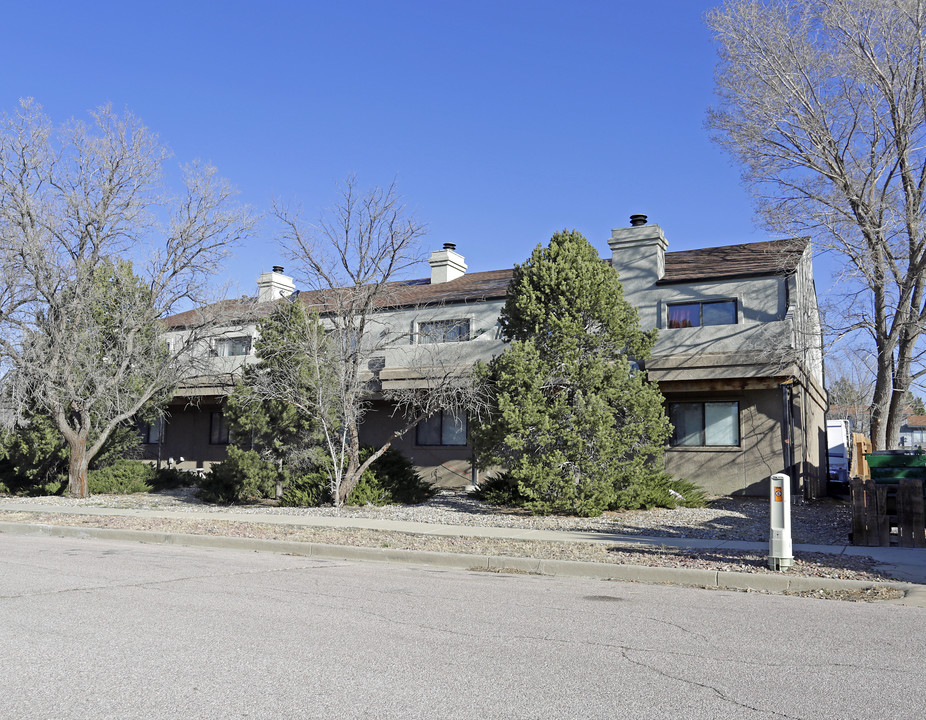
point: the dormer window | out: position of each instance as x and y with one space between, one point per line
697 314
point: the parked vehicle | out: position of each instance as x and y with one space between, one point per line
839 454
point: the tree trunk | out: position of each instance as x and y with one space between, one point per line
881 398
352 473
77 468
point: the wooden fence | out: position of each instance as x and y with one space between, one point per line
860 446
885 514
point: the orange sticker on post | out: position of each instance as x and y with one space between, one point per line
778 494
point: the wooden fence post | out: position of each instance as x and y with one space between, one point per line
911 526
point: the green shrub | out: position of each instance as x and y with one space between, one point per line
390 479
244 476
501 489
310 490
33 457
393 480
658 492
171 478
654 491
369 491
123 477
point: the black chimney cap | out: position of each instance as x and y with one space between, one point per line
450 246
637 220
277 268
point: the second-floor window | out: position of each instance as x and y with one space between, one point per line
442 331
696 314
233 346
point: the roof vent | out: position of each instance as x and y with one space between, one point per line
277 268
637 220
450 246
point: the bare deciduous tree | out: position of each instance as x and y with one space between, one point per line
851 375
824 104
80 337
352 260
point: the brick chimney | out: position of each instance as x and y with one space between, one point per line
274 285
446 264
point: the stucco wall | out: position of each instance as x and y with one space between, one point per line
186 434
444 466
742 470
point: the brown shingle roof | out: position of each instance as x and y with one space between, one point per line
719 263
770 257
472 287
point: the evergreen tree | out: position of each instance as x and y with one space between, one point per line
281 437
575 423
915 403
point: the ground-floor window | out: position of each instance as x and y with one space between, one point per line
218 429
705 423
152 433
443 428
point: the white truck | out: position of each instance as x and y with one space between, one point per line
839 453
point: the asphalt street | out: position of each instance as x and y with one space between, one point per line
98 629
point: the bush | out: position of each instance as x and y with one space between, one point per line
500 489
661 491
171 478
391 479
123 477
244 476
33 458
310 490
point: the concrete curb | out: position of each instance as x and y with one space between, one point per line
914 595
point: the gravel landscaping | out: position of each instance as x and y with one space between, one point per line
825 522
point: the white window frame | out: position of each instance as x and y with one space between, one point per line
228 340
419 335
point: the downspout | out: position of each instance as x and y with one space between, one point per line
797 480
787 432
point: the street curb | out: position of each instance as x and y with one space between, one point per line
914 595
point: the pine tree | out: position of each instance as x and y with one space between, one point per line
273 439
575 423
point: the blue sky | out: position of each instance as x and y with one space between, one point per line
502 121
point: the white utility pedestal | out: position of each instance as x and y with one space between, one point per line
780 556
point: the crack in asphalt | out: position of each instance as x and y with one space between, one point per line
694 683
669 623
